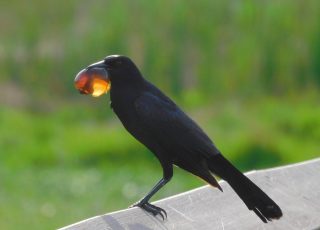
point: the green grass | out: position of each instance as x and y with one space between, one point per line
57 196
60 167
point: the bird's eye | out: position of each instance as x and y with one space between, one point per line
115 63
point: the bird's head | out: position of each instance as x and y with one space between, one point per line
98 77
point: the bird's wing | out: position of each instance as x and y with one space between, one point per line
171 127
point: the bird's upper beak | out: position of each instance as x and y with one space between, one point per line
93 80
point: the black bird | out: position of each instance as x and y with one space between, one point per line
174 138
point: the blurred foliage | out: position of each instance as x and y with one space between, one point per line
247 71
211 47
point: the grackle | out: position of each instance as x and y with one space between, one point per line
171 135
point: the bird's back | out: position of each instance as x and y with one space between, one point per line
159 123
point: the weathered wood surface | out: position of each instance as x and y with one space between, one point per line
296 188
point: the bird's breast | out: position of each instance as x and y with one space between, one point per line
123 106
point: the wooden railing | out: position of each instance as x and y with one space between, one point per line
296 188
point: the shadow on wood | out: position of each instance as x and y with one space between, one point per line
296 188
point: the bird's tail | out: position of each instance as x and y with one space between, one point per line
255 199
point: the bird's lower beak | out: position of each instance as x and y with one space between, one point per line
94 81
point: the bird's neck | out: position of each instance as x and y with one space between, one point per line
124 93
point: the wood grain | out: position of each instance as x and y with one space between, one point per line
296 188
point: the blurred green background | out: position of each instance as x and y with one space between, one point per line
247 71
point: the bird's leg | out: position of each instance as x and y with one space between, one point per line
144 202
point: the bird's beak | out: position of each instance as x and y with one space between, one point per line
93 80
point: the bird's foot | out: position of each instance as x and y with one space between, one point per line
154 210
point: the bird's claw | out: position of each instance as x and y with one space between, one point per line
154 210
